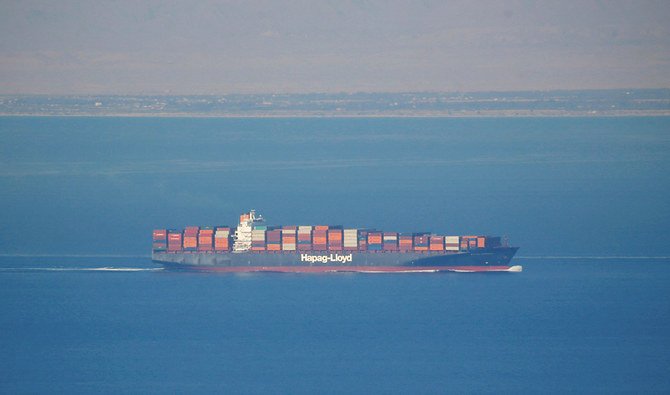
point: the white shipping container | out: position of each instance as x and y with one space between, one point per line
451 239
451 248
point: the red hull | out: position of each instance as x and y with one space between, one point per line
355 269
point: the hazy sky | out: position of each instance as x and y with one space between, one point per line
220 47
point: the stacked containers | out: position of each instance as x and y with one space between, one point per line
304 238
362 240
451 243
205 239
421 242
436 243
288 238
159 240
335 239
350 239
468 242
464 243
374 241
174 240
221 239
320 238
191 238
258 238
405 243
390 241
481 241
273 240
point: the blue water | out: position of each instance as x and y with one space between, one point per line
84 310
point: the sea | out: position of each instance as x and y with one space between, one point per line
84 310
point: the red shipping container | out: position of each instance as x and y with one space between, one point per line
190 241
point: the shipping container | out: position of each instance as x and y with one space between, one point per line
273 236
452 243
335 234
436 243
159 235
205 242
191 230
374 238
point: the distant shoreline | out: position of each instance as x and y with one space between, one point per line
608 103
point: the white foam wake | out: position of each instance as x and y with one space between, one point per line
589 257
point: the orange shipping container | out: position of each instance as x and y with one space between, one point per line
273 247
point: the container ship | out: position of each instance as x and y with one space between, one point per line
253 246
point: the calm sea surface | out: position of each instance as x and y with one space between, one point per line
85 311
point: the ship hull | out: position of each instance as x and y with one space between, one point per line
488 260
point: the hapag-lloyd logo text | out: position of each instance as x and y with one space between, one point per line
326 258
